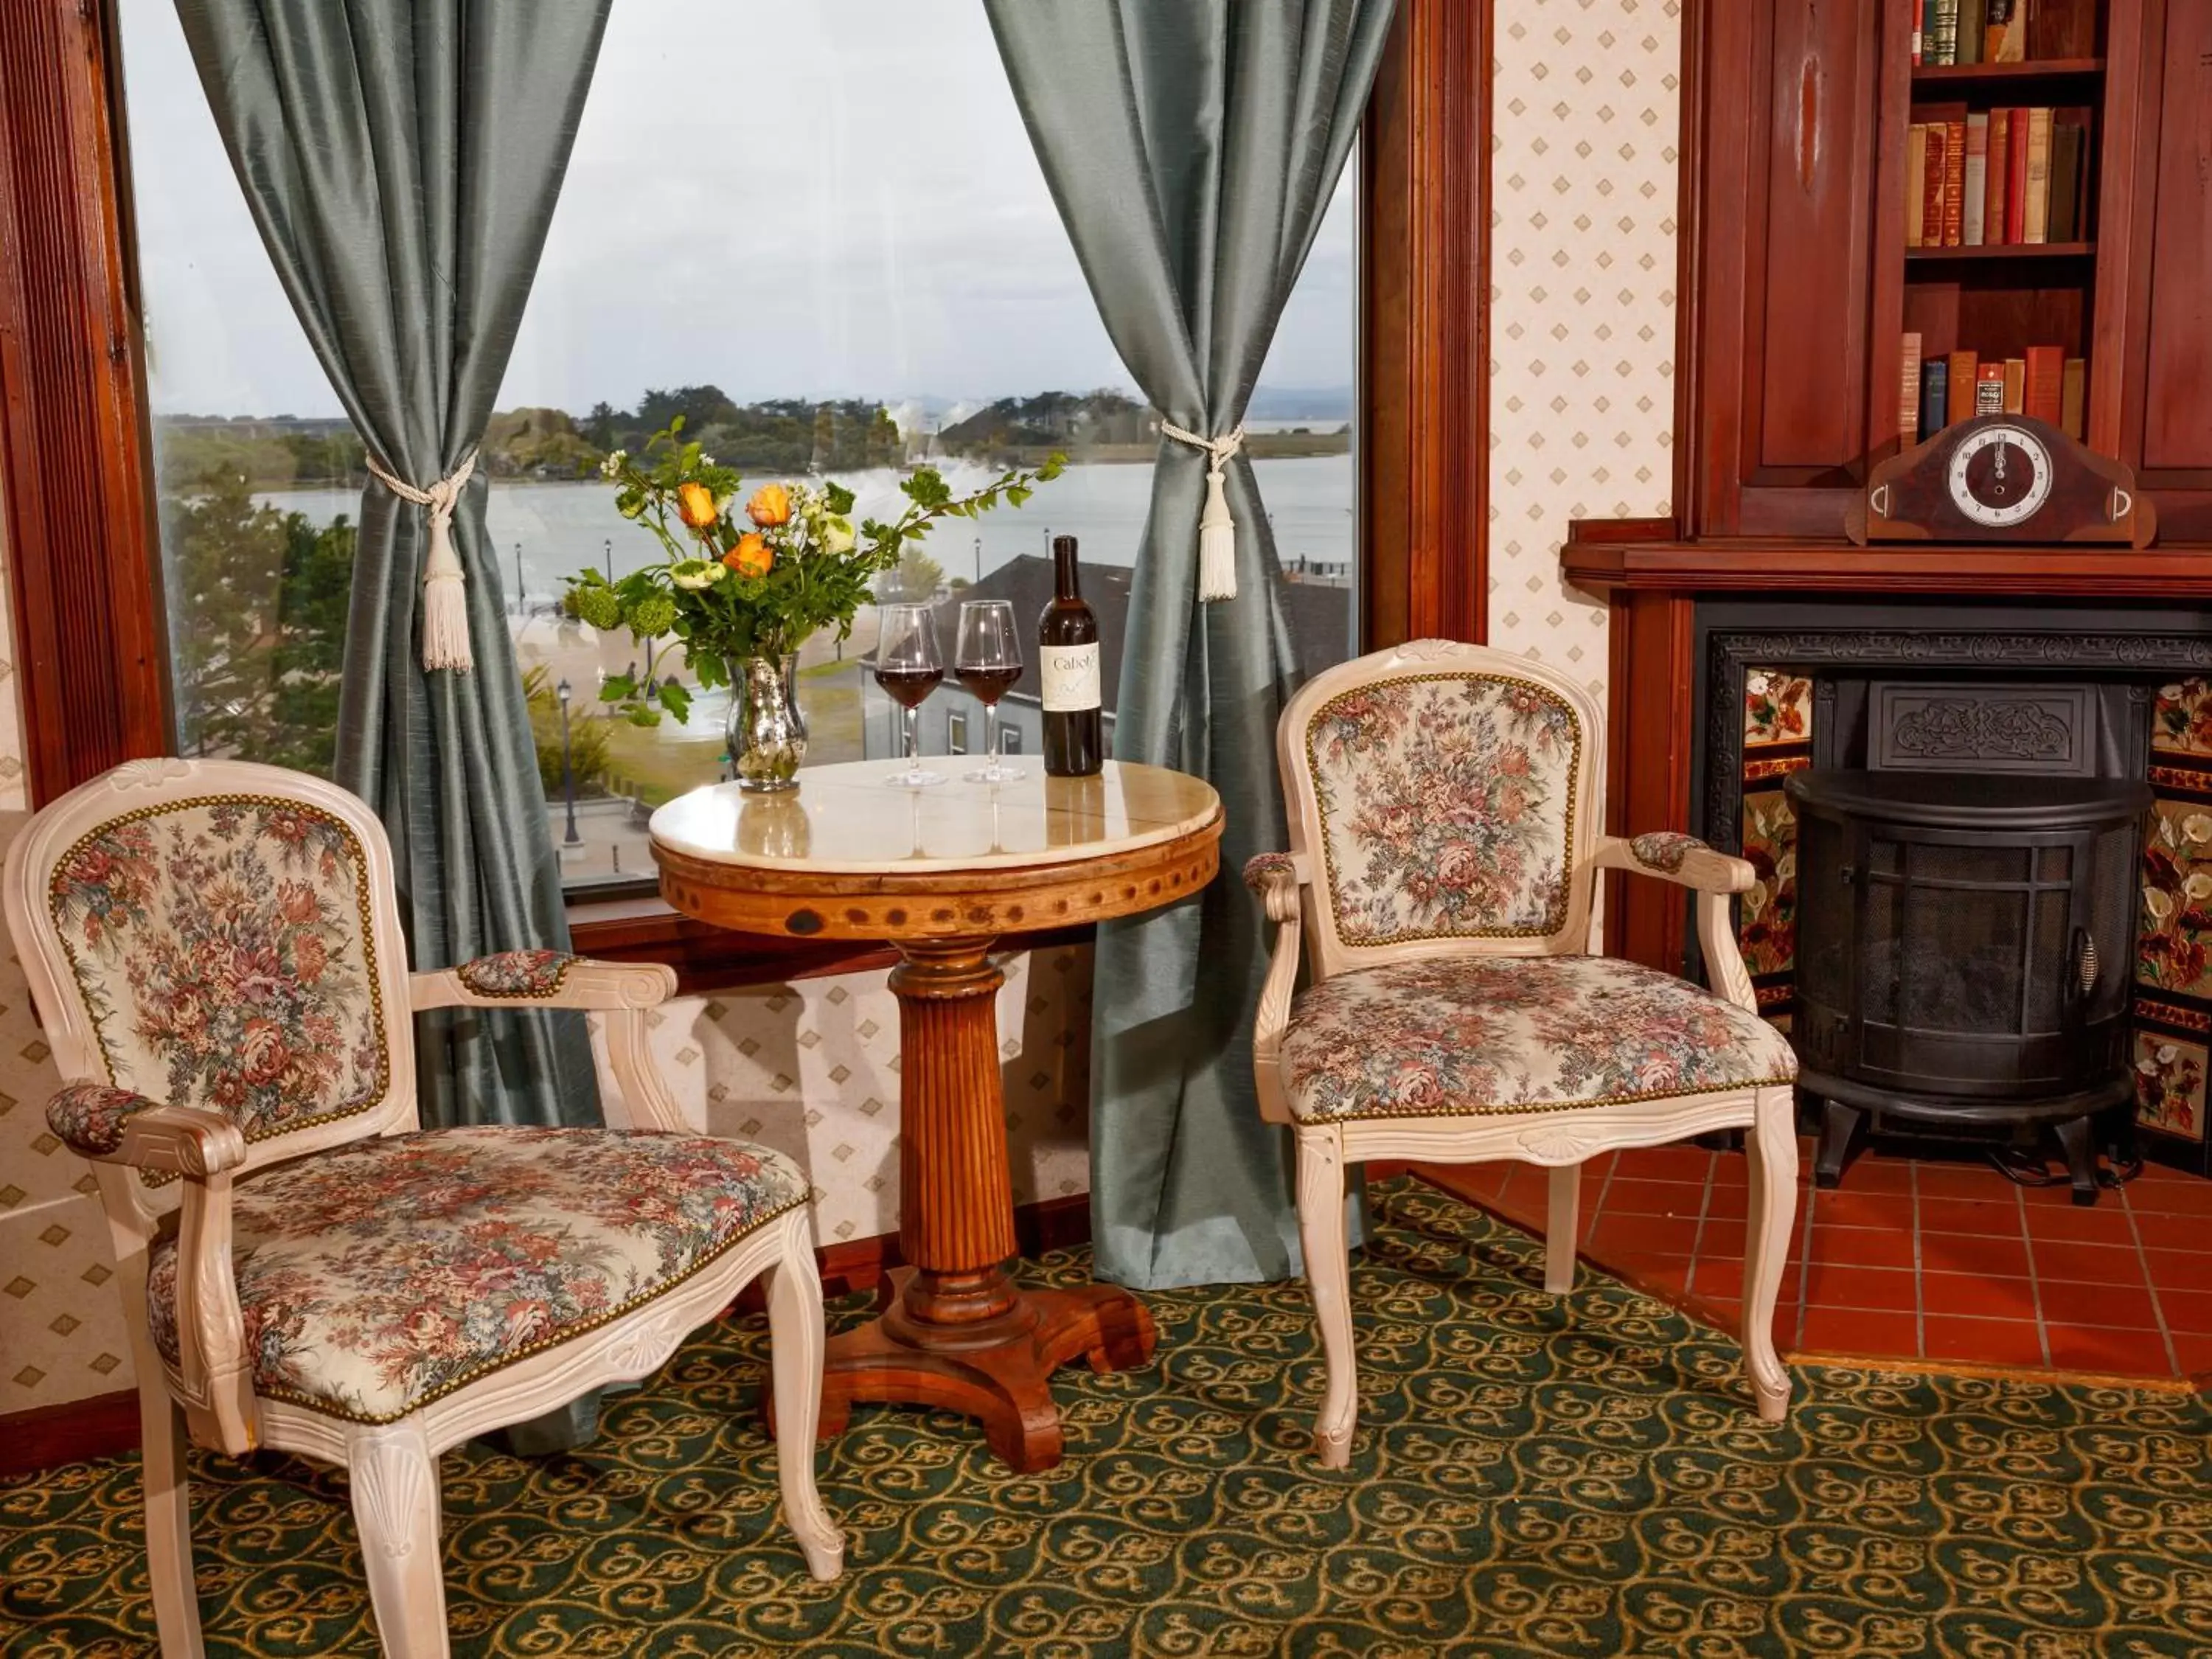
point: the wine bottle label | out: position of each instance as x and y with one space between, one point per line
1071 678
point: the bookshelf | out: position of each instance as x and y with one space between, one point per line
1998 204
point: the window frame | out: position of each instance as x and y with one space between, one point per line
73 422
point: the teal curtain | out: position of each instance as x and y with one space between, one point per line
402 159
1191 146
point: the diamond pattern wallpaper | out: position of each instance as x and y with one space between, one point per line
1582 329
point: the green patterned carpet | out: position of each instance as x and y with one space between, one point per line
1532 1477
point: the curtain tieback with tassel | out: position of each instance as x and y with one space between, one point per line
1216 530
444 605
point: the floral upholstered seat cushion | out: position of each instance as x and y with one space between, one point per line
1470 1035
377 1276
1447 807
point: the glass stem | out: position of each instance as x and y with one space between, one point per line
913 740
991 735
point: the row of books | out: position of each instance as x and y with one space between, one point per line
2046 384
1947 32
1969 31
1997 176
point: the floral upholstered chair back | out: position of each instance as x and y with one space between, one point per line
221 935
1443 798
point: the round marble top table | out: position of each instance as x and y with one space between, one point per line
944 874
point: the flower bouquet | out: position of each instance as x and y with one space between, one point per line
743 587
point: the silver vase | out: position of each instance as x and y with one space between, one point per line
767 734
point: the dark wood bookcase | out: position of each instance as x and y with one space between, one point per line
1798 287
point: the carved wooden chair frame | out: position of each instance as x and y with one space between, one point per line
209 1396
1559 1139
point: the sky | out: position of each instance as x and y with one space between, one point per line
835 198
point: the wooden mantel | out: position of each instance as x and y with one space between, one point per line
1610 569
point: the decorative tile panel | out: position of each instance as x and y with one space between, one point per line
2170 1084
1777 709
1583 177
1766 916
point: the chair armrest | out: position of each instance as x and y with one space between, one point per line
108 1125
1276 877
622 991
1670 856
543 979
215 1373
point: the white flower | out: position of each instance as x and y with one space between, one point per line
837 535
2169 693
2157 904
2199 884
2198 826
696 573
2167 1054
613 464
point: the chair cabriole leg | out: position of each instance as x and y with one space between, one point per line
1562 1224
162 1474
1328 1272
796 1344
395 1507
1771 1150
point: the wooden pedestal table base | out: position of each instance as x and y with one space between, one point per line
956 1330
956 874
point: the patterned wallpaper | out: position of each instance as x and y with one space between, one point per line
1581 328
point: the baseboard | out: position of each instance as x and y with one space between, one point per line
106 1424
72 1432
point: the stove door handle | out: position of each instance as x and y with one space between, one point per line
2086 961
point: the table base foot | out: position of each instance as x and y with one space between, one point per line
999 1370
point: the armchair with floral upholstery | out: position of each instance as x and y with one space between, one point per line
1441 800
214 951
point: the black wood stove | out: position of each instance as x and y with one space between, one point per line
1965 945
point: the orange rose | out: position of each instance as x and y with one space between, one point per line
770 506
694 505
751 557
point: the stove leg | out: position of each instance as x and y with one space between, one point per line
1840 1128
2079 1146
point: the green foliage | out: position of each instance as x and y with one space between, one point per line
760 579
589 747
275 454
1050 419
916 579
257 600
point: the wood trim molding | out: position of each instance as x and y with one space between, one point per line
1424 332
79 529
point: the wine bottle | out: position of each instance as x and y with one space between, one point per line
1068 662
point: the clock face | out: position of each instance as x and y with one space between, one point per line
2000 475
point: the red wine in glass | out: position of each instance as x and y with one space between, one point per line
988 660
908 668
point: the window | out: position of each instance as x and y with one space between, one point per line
845 282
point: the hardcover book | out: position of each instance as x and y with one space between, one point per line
1993 210
2045 398
1908 392
1919 26
1916 184
2073 388
1934 397
1989 389
2035 226
1974 184
2065 181
1958 387
2016 176
1954 183
1943 31
2016 373
1931 194
1972 23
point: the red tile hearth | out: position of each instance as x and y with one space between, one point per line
1912 1259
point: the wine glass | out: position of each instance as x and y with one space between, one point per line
908 668
988 661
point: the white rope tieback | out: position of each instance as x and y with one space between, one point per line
445 602
1216 530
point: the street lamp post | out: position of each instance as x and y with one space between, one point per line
979 559
611 558
520 608
567 768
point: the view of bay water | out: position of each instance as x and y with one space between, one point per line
560 528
